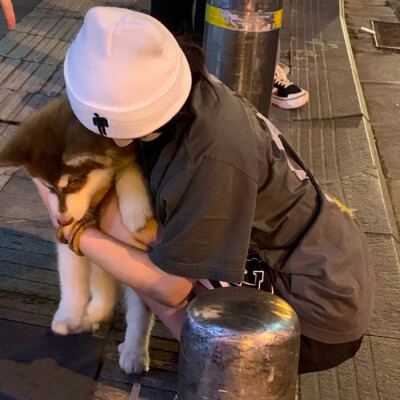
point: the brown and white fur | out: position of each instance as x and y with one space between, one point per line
75 164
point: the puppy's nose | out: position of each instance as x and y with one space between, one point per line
64 221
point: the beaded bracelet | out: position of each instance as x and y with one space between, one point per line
76 232
77 229
60 236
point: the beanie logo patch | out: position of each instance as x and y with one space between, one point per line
101 124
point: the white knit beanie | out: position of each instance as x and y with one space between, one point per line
125 73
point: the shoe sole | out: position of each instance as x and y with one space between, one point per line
290 104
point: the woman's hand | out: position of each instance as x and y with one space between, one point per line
8 10
110 223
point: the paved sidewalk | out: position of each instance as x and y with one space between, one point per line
21 9
379 73
335 135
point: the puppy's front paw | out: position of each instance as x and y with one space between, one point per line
64 324
137 214
133 360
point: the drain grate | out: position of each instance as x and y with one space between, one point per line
387 34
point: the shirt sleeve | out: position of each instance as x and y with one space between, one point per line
206 213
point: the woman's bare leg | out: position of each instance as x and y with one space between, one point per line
172 317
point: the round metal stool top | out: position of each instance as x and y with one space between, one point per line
244 311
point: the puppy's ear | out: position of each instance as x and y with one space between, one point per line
28 141
17 152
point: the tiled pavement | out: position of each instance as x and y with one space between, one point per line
334 134
21 9
379 74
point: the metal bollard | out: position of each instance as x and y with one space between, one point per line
240 43
238 344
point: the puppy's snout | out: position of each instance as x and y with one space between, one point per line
64 221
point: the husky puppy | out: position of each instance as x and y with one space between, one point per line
76 166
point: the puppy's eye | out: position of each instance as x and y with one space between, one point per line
75 180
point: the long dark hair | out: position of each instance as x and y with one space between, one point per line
196 59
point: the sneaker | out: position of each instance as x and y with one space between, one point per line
285 93
286 68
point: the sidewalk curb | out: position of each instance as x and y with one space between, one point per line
360 93
368 130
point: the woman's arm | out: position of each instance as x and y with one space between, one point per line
113 251
110 222
134 268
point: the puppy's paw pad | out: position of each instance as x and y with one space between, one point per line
136 216
65 326
59 328
132 361
90 326
136 221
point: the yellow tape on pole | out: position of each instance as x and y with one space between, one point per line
248 21
278 18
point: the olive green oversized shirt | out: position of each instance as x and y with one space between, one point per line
226 185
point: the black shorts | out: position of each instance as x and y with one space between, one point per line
314 355
317 356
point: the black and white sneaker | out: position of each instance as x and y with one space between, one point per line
285 93
285 68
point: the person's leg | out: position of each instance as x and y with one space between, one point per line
199 16
317 356
286 94
176 15
172 317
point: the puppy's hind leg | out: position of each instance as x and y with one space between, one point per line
134 352
74 284
104 292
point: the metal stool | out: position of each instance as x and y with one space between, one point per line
236 343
